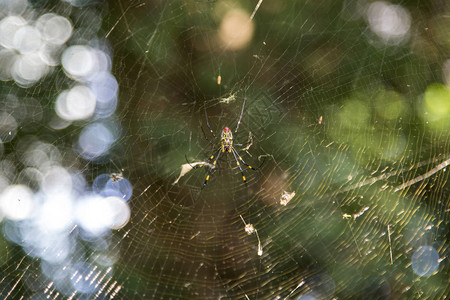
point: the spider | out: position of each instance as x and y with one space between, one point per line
226 146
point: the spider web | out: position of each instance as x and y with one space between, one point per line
346 120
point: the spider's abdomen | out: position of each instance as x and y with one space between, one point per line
227 145
227 140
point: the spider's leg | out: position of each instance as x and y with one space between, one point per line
239 166
240 117
196 166
248 143
236 154
212 167
206 137
207 123
200 165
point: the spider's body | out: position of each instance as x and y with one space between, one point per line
226 145
227 140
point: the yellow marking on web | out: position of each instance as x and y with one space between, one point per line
207 178
240 158
243 177
201 166
250 167
214 162
237 163
212 156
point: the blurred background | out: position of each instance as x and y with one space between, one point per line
104 112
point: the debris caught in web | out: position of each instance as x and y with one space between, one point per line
228 99
249 229
249 142
346 216
360 213
286 197
357 215
185 168
116 176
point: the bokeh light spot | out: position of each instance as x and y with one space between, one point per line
77 103
354 113
437 102
425 261
8 127
16 202
29 68
7 59
390 22
94 141
389 105
8 29
236 30
56 214
122 187
27 39
55 29
79 61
